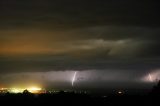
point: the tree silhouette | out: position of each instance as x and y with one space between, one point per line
26 92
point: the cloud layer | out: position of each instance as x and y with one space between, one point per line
44 36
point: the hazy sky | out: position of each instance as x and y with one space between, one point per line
107 41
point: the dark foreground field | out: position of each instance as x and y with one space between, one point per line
78 100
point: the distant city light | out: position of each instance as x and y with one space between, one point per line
20 90
119 92
34 89
16 90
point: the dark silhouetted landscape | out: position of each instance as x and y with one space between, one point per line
82 99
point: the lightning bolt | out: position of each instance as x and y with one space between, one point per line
73 79
150 78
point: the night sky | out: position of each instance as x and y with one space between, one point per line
109 43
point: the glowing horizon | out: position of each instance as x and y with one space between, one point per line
21 90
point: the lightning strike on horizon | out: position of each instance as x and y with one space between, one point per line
73 79
150 78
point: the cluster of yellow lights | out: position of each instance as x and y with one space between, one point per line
34 89
20 90
16 90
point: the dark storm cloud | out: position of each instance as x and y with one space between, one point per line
109 47
98 41
58 63
79 13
